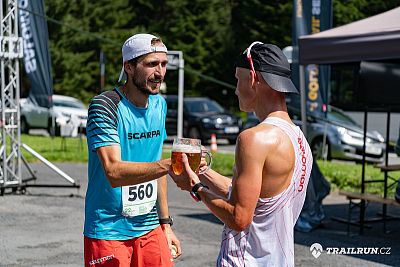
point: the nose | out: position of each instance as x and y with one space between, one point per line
161 69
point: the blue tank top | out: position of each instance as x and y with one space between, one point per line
140 133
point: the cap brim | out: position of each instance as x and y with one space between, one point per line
122 75
279 83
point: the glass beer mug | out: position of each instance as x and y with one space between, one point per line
192 149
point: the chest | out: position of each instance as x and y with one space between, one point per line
141 134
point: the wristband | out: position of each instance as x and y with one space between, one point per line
168 220
194 193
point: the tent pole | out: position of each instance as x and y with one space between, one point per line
303 102
362 204
385 178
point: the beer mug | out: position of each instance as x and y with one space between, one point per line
192 149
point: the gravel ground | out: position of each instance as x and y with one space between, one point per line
43 227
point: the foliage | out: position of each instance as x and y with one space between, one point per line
209 32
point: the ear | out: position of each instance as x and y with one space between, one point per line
128 67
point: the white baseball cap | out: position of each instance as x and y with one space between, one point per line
139 45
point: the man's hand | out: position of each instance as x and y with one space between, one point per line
203 167
172 241
187 179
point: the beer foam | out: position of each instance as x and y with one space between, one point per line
186 149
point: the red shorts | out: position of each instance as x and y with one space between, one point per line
149 250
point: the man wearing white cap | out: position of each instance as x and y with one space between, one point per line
127 222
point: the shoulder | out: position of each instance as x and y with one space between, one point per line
261 136
104 107
109 98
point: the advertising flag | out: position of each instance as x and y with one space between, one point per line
311 16
33 29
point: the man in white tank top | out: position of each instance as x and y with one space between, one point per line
273 161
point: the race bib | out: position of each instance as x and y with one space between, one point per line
139 199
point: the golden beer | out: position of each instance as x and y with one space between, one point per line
194 158
192 149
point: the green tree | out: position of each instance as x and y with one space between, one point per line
84 29
210 33
352 10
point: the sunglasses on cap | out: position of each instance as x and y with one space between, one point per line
248 54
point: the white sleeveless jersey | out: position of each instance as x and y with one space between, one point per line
269 241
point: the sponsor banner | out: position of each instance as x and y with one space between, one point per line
312 16
33 29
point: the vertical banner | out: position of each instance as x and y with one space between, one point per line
33 29
312 16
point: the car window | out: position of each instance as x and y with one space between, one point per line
340 117
203 106
68 104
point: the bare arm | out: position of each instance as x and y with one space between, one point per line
162 202
218 183
237 212
162 197
121 173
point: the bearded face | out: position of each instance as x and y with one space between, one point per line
147 85
149 72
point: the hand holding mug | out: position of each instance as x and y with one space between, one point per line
194 151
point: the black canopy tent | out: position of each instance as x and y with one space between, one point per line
372 39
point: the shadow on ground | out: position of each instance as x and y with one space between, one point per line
333 234
209 217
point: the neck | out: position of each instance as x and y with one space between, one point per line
134 95
271 106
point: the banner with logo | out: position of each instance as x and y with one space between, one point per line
33 30
311 16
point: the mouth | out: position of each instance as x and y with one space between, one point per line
156 82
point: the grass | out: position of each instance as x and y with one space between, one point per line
347 176
56 149
341 175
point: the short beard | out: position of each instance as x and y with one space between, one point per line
141 86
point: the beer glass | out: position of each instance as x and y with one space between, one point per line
192 149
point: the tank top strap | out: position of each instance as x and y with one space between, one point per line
281 123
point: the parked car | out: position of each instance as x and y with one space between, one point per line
34 116
344 137
201 118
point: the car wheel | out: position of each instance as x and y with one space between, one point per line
24 126
53 130
318 150
232 141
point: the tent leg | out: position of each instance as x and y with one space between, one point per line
362 203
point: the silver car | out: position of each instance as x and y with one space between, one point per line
65 108
343 136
